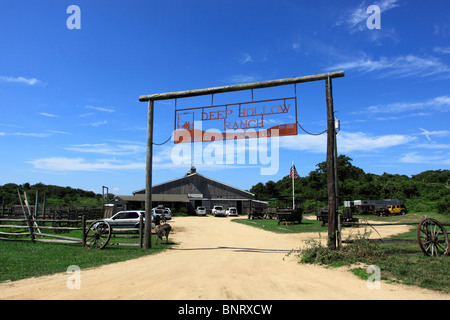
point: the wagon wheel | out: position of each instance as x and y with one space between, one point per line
433 238
98 234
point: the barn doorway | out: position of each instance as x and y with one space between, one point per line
239 207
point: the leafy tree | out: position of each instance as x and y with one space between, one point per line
425 191
55 195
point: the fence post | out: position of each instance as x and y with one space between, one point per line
31 227
44 205
83 225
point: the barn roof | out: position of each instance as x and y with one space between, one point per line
161 197
195 174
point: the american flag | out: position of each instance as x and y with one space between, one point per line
293 172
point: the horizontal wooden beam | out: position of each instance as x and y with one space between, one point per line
239 87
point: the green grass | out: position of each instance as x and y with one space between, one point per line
273 226
19 260
400 262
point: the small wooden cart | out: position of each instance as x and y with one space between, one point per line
287 215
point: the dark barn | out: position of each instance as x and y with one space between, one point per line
191 191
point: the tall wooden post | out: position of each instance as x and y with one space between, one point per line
331 178
336 186
36 206
148 179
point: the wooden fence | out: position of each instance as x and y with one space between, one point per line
51 213
50 230
30 230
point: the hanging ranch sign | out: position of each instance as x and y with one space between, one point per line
255 119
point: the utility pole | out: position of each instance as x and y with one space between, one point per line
331 178
336 181
148 179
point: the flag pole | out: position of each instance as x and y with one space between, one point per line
293 189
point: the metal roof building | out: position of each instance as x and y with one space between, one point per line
189 192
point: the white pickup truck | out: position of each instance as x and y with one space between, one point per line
218 211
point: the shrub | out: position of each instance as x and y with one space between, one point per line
316 253
443 206
359 250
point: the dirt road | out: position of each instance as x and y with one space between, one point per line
217 259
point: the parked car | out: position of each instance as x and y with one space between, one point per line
163 212
232 211
127 219
396 209
200 211
218 211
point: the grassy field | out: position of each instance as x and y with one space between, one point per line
19 260
400 262
272 225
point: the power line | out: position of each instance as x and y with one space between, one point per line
312 134
160 144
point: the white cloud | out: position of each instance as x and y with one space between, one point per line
347 142
433 145
241 78
101 109
245 58
359 141
28 81
439 133
358 16
398 67
413 157
97 123
45 114
441 104
33 134
47 133
103 148
86 114
59 132
80 164
442 50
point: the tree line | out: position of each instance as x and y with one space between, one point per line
55 196
424 192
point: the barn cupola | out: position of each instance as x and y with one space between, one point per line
192 170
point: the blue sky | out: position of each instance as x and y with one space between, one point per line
69 105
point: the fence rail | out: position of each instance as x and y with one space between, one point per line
10 231
49 213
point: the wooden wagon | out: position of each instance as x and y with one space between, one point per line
257 213
345 216
289 215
